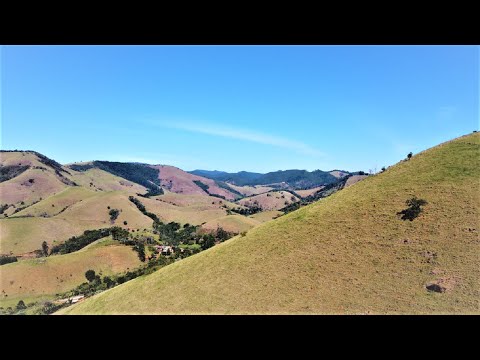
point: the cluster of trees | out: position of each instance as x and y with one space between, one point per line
49 162
209 240
142 208
113 214
6 259
76 243
248 211
95 283
174 234
10 171
152 192
201 185
3 207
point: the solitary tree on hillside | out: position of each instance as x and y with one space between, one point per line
90 275
45 248
21 305
383 169
409 156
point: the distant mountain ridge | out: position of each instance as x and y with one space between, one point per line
297 179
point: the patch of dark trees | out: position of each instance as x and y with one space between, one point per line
10 171
49 162
76 243
202 186
141 174
3 207
248 211
81 167
113 214
7 259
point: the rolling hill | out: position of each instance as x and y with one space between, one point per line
350 253
34 279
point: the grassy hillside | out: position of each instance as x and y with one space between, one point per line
22 235
348 253
57 203
56 274
43 177
100 180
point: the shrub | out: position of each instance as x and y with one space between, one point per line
90 275
113 214
21 305
125 223
5 259
414 208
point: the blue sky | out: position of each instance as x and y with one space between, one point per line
232 108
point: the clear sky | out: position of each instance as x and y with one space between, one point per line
232 108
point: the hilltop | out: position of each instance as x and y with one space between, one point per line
348 253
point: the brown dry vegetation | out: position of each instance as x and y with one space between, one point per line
354 179
308 192
269 201
179 181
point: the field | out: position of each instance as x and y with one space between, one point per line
354 179
308 192
99 180
42 278
274 200
349 253
251 190
232 223
22 235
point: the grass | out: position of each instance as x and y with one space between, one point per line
346 254
22 235
65 198
270 201
232 223
266 215
251 190
100 180
42 278
192 209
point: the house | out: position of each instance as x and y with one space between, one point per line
167 250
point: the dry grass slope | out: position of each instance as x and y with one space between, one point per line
348 253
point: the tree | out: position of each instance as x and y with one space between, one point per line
409 156
414 208
125 223
21 305
383 169
90 275
45 248
108 281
